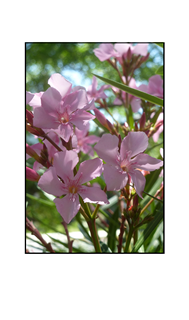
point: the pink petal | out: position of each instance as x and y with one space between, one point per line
58 82
105 51
51 99
64 163
135 104
135 142
64 131
146 162
122 48
89 170
93 195
50 183
67 207
91 139
115 179
139 182
33 99
76 100
141 48
80 118
43 120
107 148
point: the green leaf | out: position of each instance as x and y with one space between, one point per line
160 44
104 247
113 200
130 119
148 231
160 71
112 230
134 92
45 202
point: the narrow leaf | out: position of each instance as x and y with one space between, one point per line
160 44
148 231
137 93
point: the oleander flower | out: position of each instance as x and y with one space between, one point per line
120 165
120 51
59 180
95 94
60 107
81 141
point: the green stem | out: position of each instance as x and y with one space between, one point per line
129 238
94 235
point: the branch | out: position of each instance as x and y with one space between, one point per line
35 232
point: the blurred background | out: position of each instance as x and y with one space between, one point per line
77 63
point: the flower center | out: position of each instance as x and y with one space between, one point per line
72 189
63 117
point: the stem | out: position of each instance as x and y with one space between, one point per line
52 142
94 235
122 228
35 232
149 203
129 239
68 236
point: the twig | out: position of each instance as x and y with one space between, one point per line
30 226
70 242
122 229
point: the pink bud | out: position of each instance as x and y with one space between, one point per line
32 175
129 54
142 121
32 153
101 118
29 117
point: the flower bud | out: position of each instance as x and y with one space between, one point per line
142 121
29 117
32 175
32 153
101 118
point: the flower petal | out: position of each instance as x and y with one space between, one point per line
107 148
50 100
64 131
64 163
89 170
80 118
50 183
105 51
93 195
135 142
135 104
141 48
58 82
139 182
67 207
115 179
43 120
75 100
146 162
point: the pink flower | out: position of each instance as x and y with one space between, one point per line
38 147
120 51
105 51
59 180
58 108
155 86
82 142
95 94
126 163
